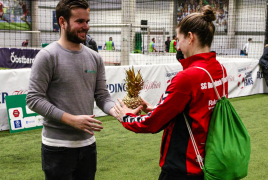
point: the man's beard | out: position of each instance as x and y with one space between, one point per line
72 37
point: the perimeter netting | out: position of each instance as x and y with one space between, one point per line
132 24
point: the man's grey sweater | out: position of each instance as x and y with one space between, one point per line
67 81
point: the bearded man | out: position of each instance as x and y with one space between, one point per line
65 79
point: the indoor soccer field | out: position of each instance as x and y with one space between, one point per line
130 34
125 155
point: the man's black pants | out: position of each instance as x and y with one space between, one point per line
69 163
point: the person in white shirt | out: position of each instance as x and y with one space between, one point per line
221 21
245 47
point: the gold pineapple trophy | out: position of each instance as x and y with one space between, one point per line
134 84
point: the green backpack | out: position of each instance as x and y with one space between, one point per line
227 149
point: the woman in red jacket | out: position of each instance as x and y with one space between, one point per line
190 92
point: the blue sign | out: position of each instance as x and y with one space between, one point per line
17 124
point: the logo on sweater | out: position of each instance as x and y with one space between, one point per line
89 71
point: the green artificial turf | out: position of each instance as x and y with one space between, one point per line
15 26
124 155
2 68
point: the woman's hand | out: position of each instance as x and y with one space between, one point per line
122 110
147 107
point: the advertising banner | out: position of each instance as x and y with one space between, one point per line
15 15
14 58
12 82
244 78
20 117
154 78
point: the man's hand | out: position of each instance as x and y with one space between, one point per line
122 110
112 112
147 107
85 123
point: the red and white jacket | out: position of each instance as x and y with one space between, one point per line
191 92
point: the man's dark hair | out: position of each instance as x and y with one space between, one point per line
174 36
249 39
64 8
152 39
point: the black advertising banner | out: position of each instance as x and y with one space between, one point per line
17 58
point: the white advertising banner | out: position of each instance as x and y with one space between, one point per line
154 83
244 77
12 82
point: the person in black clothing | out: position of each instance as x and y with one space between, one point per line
90 43
167 43
25 43
263 62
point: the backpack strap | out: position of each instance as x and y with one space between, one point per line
223 81
199 157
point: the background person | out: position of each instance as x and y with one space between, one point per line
25 12
187 93
25 43
65 79
152 46
263 62
173 44
90 43
245 47
109 45
2 12
167 43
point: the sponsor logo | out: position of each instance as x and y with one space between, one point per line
260 75
118 87
171 74
20 92
17 124
39 120
20 60
230 78
16 113
248 79
29 122
2 97
244 77
121 87
151 85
